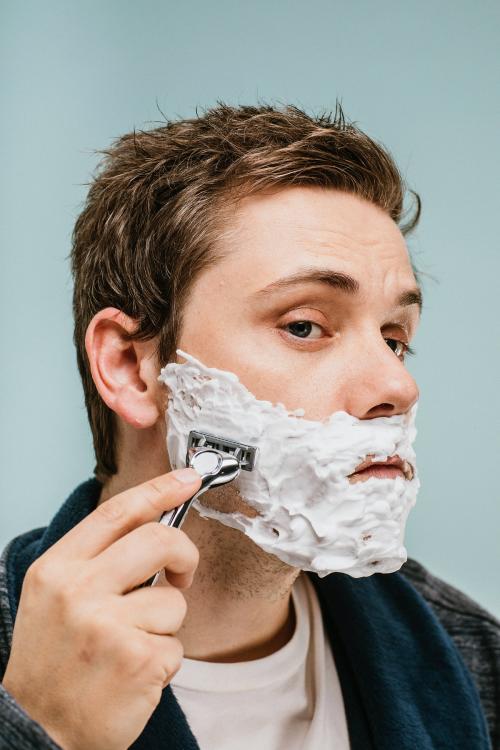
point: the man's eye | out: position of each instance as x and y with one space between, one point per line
302 329
400 348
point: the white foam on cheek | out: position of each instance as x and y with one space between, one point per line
311 516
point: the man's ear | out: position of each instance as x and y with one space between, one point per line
124 372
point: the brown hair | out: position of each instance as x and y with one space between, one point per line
157 202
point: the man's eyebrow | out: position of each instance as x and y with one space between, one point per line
337 280
411 297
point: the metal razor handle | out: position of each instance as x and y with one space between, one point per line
215 467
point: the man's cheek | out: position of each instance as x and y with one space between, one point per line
227 499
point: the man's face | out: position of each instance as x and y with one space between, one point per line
312 344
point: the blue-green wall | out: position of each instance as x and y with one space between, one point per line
423 77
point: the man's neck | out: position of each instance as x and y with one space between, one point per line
239 605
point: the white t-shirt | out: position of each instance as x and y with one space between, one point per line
290 699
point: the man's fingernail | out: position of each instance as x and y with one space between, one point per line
187 476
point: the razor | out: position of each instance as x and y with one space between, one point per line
218 461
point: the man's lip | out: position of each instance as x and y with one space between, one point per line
405 467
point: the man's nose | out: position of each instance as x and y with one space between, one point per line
380 385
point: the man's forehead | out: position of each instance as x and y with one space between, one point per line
306 233
288 240
313 220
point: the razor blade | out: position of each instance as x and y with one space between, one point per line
246 454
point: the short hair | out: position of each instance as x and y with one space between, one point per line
158 201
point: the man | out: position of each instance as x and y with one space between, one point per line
267 243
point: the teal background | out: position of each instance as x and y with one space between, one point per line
422 77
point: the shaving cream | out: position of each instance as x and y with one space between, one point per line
309 514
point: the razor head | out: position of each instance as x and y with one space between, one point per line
213 466
246 454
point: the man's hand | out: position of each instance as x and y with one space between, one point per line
91 653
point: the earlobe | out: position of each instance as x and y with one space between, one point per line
120 368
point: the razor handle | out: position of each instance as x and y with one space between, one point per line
215 467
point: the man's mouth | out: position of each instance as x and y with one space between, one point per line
389 469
